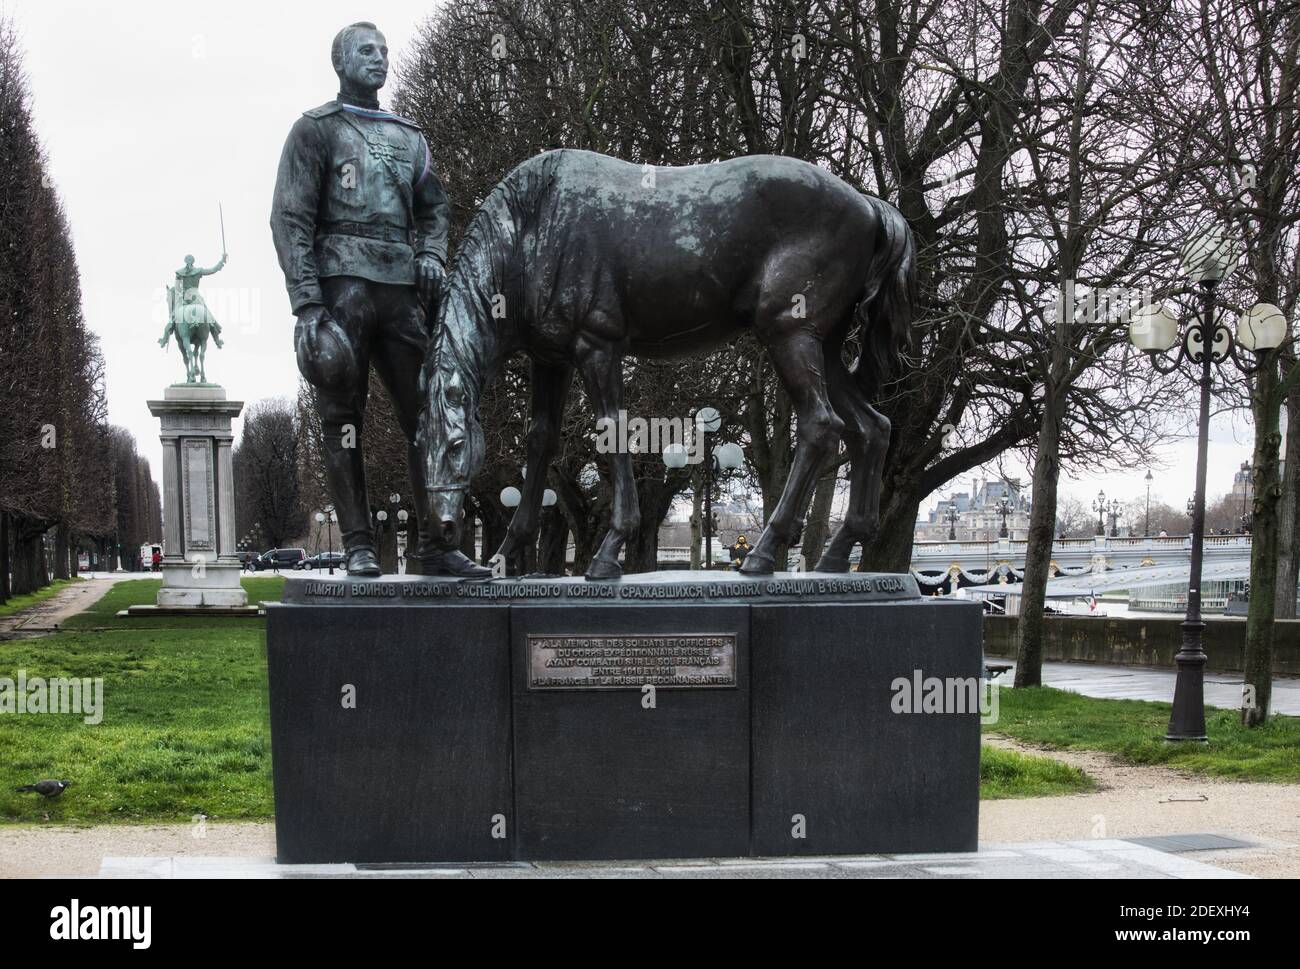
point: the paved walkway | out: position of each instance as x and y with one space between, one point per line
45 616
1049 859
1139 683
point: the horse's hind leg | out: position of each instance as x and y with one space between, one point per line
550 388
799 360
602 373
866 434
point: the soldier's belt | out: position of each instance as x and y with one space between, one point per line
384 233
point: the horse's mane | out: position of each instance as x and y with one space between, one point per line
484 268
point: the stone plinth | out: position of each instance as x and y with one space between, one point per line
668 715
200 566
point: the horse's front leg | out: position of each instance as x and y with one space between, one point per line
602 373
550 388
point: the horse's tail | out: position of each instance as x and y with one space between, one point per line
888 302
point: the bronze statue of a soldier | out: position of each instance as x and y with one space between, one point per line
360 226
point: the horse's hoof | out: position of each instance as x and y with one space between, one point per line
601 569
832 563
758 563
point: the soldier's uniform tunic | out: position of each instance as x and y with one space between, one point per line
356 202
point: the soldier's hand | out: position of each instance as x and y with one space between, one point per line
307 330
429 279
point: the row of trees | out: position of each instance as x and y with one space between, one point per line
1029 149
959 116
63 469
1076 518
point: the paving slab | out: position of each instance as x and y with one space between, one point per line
1103 858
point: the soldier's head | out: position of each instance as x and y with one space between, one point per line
360 56
189 262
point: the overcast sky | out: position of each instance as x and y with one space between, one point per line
153 113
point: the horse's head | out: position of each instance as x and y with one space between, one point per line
451 443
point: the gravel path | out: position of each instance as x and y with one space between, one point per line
1135 801
45 617
37 851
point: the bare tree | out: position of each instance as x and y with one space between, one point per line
266 471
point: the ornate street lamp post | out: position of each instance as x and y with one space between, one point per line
328 518
1245 512
1205 343
1114 517
1147 528
1099 506
952 517
1004 507
723 457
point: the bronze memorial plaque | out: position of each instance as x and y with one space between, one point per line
631 662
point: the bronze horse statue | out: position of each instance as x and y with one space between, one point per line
578 259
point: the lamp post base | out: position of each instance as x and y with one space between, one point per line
1187 719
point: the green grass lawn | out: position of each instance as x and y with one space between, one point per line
1006 773
15 603
103 614
1134 730
184 727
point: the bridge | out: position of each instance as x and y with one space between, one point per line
1082 566
1002 559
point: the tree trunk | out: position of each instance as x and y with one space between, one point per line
697 531
655 499
388 546
1288 536
1038 552
554 542
890 549
1263 550
5 559
818 528
494 533
61 546
468 535
37 576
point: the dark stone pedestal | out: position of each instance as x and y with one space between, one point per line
667 715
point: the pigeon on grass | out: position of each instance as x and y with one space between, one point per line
46 789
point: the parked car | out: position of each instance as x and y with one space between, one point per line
280 558
324 560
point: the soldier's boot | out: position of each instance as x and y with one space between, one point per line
345 471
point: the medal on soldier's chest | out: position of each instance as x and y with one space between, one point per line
384 151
